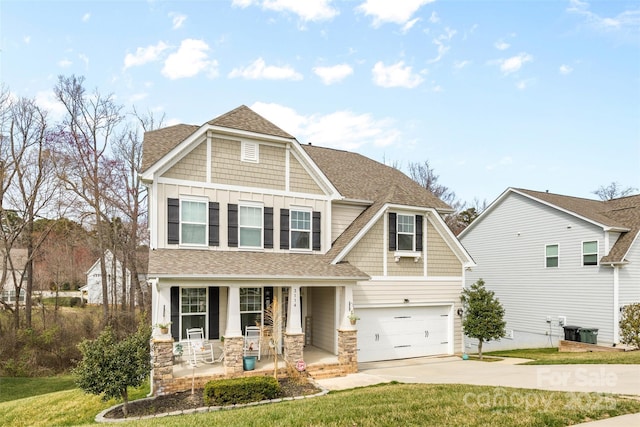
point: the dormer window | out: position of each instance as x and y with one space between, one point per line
405 235
406 232
250 152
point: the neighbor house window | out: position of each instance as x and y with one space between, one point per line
193 222
300 229
590 253
250 307
551 255
250 226
406 232
193 309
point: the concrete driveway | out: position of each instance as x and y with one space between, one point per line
616 379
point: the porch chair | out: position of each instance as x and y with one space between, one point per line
252 338
199 348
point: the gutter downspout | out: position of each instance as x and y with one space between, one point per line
616 304
155 289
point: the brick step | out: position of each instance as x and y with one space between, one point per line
325 371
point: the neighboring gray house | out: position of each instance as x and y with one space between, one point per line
92 291
8 290
555 260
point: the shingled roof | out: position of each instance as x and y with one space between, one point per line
244 264
621 214
157 143
358 177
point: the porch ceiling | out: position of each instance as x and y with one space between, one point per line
247 265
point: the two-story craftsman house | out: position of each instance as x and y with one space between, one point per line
240 212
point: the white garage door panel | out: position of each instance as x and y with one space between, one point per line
402 332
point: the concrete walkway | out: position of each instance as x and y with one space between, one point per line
615 379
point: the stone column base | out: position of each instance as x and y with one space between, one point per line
161 364
348 350
233 355
293 348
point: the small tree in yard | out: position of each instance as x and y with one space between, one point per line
630 325
109 365
483 315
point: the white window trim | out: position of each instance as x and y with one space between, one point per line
546 257
291 230
597 253
206 221
251 205
250 152
206 311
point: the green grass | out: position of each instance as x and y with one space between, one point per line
551 356
383 405
18 388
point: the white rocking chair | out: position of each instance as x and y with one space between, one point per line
199 348
252 338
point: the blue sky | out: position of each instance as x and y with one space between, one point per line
543 94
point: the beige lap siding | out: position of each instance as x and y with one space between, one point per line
441 261
323 318
191 167
367 254
299 179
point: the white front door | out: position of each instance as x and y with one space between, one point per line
402 332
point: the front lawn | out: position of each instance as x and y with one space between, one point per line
18 388
383 405
551 356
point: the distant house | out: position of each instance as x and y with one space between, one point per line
557 260
92 291
8 294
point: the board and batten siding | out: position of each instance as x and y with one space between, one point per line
225 197
508 246
323 312
388 293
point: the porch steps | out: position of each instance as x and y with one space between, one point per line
322 371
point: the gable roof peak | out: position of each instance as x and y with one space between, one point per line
244 118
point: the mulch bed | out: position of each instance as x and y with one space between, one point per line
185 400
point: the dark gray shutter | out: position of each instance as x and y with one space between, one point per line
173 221
268 228
392 231
316 231
175 312
419 233
232 227
214 224
284 228
214 313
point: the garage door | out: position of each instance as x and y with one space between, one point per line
401 332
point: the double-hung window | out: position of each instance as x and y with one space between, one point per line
193 309
551 255
406 232
193 222
250 226
250 307
300 229
590 253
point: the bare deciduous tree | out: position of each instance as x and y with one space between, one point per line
613 191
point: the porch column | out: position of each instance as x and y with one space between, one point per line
294 318
293 336
346 307
233 339
161 364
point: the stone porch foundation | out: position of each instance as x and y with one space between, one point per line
293 348
348 350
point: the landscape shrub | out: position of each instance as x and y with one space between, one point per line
630 325
240 390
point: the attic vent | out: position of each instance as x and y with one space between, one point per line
250 152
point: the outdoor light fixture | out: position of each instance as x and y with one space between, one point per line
460 312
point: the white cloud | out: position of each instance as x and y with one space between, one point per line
84 58
259 70
501 45
434 18
395 75
144 55
341 129
628 19
26 39
86 17
524 84
307 10
190 60
513 64
409 25
565 69
333 74
504 161
47 100
64 63
397 12
459 65
177 20
442 48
